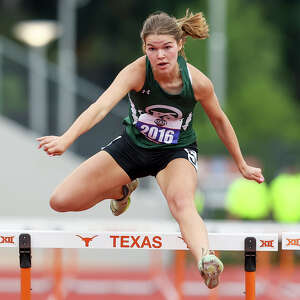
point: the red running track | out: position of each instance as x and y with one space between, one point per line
139 285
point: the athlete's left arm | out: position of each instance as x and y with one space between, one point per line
205 94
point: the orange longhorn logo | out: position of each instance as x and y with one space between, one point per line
180 237
87 240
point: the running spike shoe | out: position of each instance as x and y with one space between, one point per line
210 268
119 206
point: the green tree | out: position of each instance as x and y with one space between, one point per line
284 15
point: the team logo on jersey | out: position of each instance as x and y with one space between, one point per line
146 92
164 113
160 122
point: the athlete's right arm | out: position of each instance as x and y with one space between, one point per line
130 78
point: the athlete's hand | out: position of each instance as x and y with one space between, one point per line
52 145
252 173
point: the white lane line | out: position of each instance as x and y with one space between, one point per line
166 287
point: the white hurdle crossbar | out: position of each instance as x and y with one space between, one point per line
134 240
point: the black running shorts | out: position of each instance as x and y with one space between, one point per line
140 162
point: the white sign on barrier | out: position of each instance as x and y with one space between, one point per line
235 242
291 240
134 240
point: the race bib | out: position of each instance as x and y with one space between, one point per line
159 129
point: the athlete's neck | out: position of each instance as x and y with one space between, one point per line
168 78
171 82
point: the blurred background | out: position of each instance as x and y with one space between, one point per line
58 56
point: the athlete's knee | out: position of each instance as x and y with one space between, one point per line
180 204
59 202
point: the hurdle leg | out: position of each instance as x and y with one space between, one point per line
179 271
250 267
58 276
263 264
156 266
25 265
286 264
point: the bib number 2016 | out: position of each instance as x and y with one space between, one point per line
161 135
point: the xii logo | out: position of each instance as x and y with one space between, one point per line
267 244
7 239
293 242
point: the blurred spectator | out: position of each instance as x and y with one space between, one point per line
248 200
199 201
285 195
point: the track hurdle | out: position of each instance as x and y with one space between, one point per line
25 265
247 242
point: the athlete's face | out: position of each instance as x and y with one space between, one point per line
162 51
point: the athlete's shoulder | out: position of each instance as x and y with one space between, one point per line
202 85
138 66
136 70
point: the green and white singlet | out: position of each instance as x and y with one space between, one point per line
158 119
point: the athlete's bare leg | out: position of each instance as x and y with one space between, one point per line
178 183
96 179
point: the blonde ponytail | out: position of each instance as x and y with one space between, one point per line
193 25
